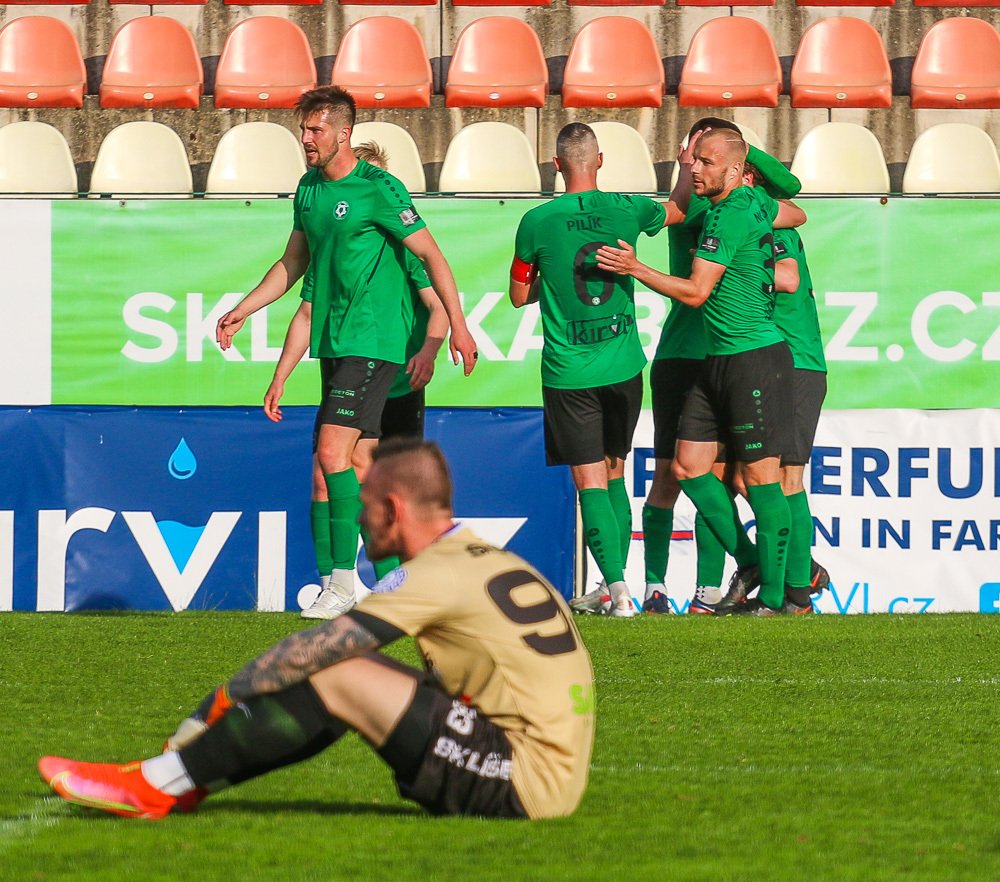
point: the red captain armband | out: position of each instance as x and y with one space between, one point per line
522 272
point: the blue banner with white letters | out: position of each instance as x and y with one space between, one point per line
208 508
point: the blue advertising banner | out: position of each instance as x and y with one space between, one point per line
160 509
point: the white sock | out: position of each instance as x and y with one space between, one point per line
620 595
324 582
708 594
342 579
655 586
166 772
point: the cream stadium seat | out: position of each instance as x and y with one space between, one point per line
628 167
404 158
35 162
838 157
490 157
141 159
952 158
255 159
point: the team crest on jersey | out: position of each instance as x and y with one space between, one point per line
390 581
710 244
409 217
341 211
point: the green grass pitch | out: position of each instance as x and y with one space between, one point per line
822 748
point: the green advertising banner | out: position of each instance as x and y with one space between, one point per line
908 292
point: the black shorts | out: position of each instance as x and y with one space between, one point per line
743 401
808 391
354 393
670 380
403 417
467 759
586 425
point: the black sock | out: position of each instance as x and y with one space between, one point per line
260 735
798 596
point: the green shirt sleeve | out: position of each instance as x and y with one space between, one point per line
778 180
651 216
525 247
393 208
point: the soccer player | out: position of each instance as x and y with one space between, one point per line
592 359
797 319
742 395
352 223
403 413
679 357
501 725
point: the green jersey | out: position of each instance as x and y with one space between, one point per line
588 315
683 333
795 314
738 235
356 280
415 314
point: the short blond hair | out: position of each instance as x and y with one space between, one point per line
373 154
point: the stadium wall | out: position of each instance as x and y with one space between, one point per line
110 306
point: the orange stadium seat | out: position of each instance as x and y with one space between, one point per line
724 3
956 3
612 2
47 3
265 62
731 62
845 2
144 159
40 64
153 62
382 62
502 2
613 62
497 62
952 158
173 2
35 162
375 2
490 157
264 2
841 62
957 65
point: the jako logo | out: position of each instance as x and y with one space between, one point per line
989 597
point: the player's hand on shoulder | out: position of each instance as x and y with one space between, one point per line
619 260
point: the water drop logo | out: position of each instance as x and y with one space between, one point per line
182 464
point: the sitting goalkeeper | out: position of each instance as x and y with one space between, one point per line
501 725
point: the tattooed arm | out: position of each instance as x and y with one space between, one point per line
300 656
283 665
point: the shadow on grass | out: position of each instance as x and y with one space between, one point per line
312 807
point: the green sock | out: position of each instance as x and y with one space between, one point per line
711 554
621 505
319 520
345 505
798 569
381 567
712 499
600 527
774 524
657 528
